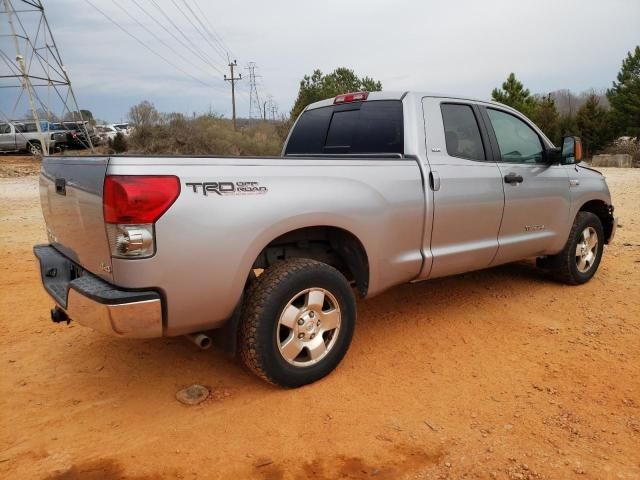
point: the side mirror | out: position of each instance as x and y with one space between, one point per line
571 150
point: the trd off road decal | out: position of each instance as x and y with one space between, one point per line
227 188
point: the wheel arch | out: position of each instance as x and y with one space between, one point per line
329 244
603 211
346 253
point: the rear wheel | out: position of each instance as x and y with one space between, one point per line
297 323
35 149
580 258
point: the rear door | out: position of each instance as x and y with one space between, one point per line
537 197
466 184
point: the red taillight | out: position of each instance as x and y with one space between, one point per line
351 97
138 199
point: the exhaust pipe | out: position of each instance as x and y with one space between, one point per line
200 339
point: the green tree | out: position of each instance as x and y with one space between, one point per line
318 86
545 116
515 95
567 125
624 97
593 123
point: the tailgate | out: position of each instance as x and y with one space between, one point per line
71 198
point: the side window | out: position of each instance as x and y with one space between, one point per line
4 128
518 142
461 132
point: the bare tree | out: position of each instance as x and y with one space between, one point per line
144 114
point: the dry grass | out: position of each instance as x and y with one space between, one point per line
206 135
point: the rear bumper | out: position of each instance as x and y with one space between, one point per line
92 302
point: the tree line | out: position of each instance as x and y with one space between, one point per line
598 119
598 123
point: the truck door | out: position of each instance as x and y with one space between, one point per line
466 182
537 199
7 137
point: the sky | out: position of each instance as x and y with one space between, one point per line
460 47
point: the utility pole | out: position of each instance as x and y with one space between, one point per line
233 81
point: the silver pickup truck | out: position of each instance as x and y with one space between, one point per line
24 137
372 190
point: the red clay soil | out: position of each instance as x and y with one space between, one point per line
494 374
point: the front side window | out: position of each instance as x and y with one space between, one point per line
5 128
461 132
518 142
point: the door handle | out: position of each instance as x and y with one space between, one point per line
513 178
434 181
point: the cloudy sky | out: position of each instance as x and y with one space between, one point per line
455 46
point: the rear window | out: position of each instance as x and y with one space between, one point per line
360 128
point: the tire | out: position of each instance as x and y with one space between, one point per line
35 149
318 324
573 265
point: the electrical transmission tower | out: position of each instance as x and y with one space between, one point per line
233 81
34 71
255 109
270 108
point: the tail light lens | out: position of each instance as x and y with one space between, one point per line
132 204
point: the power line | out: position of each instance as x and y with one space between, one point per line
181 10
215 33
184 45
159 39
223 53
147 47
194 48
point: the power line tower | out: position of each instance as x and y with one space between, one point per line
270 108
233 81
35 72
255 109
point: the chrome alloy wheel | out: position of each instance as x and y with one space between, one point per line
308 327
587 249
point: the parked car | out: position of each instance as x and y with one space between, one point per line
124 128
372 190
24 137
106 132
77 134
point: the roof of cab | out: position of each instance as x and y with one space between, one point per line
399 95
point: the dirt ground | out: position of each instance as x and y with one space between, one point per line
495 374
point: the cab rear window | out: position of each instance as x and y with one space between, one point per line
373 127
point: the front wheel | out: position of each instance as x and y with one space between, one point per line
580 258
298 321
